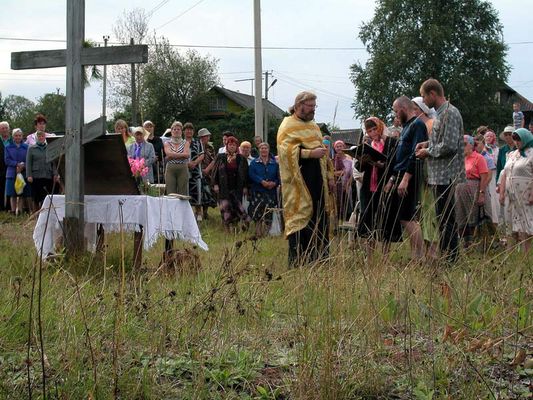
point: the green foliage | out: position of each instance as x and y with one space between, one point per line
3 115
176 84
459 43
246 327
53 106
20 112
242 125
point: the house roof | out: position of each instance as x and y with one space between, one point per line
525 104
248 101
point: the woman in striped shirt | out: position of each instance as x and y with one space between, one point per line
177 154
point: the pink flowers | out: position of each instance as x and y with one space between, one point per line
138 169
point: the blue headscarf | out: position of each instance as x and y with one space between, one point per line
526 138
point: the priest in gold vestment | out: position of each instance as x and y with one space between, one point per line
306 178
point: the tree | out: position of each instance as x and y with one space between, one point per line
20 112
52 105
242 125
458 42
132 25
176 84
3 114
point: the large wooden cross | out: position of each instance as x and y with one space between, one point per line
75 57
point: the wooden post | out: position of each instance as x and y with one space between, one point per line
138 248
133 93
75 57
74 209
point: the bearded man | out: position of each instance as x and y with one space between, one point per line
408 171
306 176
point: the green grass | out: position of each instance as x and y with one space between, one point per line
246 327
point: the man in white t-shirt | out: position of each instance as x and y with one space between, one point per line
225 136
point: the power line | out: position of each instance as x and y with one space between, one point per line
220 46
157 7
179 15
336 95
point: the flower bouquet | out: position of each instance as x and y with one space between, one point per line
139 171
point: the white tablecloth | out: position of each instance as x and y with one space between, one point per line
159 216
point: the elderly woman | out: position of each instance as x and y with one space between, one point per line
195 169
39 173
517 188
264 178
230 179
15 159
472 202
177 154
158 149
481 148
143 149
379 206
122 127
343 181
245 149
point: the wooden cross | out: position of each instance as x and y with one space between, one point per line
75 57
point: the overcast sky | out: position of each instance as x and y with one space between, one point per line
296 24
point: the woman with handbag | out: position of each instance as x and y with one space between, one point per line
15 159
472 201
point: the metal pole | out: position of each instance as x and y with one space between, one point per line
265 109
106 38
258 71
133 93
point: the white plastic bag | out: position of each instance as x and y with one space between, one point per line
275 229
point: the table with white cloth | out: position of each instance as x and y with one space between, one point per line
155 216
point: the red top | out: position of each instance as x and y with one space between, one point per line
475 165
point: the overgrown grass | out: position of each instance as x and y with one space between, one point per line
246 327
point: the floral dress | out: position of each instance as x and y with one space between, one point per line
518 186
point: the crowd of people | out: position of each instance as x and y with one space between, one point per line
242 181
423 179
26 177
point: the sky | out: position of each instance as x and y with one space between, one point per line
294 24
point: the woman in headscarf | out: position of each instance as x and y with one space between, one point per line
517 188
40 173
379 209
472 202
230 179
343 181
481 148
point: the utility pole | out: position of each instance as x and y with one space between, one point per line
106 38
133 93
258 71
267 87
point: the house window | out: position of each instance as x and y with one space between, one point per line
218 104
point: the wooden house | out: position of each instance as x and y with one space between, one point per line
223 102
